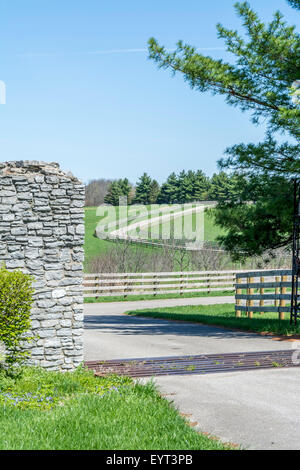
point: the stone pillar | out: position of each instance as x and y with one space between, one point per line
42 233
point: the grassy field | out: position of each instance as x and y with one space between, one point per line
43 410
222 315
94 246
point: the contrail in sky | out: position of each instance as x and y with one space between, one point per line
103 52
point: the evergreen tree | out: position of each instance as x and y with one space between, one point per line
125 188
185 187
146 191
220 187
201 186
267 64
113 194
154 192
169 190
117 189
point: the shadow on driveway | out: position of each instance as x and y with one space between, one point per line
127 325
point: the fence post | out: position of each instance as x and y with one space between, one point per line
155 285
237 292
96 291
181 281
125 286
208 283
250 291
261 292
282 301
277 290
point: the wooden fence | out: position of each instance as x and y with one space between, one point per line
124 284
117 284
263 291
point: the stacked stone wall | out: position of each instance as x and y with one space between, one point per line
42 233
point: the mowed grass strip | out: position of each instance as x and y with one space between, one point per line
92 413
223 315
118 298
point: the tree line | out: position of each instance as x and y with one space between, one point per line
177 189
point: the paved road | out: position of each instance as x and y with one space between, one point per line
258 409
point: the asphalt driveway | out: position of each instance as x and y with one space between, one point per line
257 409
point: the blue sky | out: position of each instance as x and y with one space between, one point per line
81 91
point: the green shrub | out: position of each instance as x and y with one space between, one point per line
16 297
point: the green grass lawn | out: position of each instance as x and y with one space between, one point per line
92 246
43 410
222 315
211 230
118 298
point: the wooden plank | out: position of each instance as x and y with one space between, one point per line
158 287
164 273
263 297
119 294
266 285
159 283
156 279
258 308
267 272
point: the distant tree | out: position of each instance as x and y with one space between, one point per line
117 189
113 194
169 190
146 190
224 187
201 186
154 192
125 188
185 187
95 192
